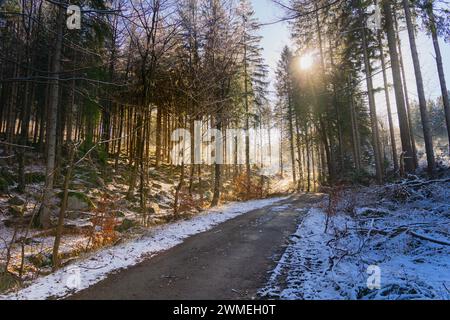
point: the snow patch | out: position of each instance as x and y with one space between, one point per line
382 232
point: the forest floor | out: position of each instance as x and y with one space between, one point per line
399 232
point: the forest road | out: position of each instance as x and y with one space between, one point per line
231 261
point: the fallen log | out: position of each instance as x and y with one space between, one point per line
422 237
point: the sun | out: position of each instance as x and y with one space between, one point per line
306 61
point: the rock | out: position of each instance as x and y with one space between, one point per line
78 201
154 209
76 204
78 225
16 211
16 201
126 225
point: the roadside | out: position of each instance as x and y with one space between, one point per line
230 261
382 243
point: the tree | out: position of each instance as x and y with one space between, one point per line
408 155
53 116
436 27
420 89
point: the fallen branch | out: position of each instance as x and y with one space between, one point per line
16 145
422 237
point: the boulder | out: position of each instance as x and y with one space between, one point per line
78 201
76 204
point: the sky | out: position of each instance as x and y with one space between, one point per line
276 36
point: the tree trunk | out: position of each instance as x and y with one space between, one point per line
373 111
406 91
44 217
388 104
420 89
440 67
399 94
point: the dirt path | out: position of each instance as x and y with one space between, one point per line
231 261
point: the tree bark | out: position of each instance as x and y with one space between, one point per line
44 217
388 104
399 94
440 67
373 111
420 90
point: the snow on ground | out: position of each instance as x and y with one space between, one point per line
94 268
387 229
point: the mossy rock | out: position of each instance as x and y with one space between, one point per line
77 201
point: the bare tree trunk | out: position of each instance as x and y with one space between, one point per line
399 94
373 111
388 104
405 90
44 217
62 210
440 67
292 137
421 92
